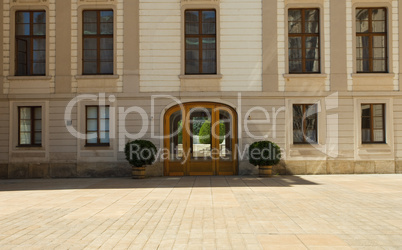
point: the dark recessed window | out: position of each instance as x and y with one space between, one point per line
97 54
373 123
304 123
200 37
304 40
371 40
30 126
30 38
97 125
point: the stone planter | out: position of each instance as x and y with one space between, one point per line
265 171
138 172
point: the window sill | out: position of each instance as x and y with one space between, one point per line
29 78
216 76
318 75
357 75
90 77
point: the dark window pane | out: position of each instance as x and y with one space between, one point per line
38 138
106 67
192 67
362 14
311 27
90 16
39 68
90 43
192 55
106 55
192 43
106 28
209 67
311 15
90 55
208 16
362 41
366 122
378 14
106 16
39 44
312 54
295 42
39 17
311 42
22 30
208 43
90 68
90 29
295 27
39 56
106 43
209 55
294 15
295 66
22 58
298 136
192 28
311 136
192 16
208 28
295 54
312 66
22 17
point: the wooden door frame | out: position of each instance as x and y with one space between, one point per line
215 108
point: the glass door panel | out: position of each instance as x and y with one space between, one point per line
200 133
176 136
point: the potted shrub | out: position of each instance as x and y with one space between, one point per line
264 154
139 154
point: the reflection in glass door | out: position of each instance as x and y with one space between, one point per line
201 139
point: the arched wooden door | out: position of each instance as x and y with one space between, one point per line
200 139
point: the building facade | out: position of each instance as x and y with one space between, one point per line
80 78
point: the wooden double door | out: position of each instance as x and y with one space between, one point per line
200 139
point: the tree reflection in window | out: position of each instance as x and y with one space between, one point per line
304 123
304 41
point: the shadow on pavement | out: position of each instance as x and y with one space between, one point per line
155 182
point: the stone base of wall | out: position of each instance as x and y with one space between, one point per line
64 170
123 169
339 167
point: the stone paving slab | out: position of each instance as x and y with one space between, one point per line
283 212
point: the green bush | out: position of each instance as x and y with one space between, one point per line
197 124
205 132
140 153
264 153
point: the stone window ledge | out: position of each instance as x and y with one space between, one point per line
217 76
29 78
305 75
357 75
91 77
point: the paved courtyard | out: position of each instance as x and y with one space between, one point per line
283 212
